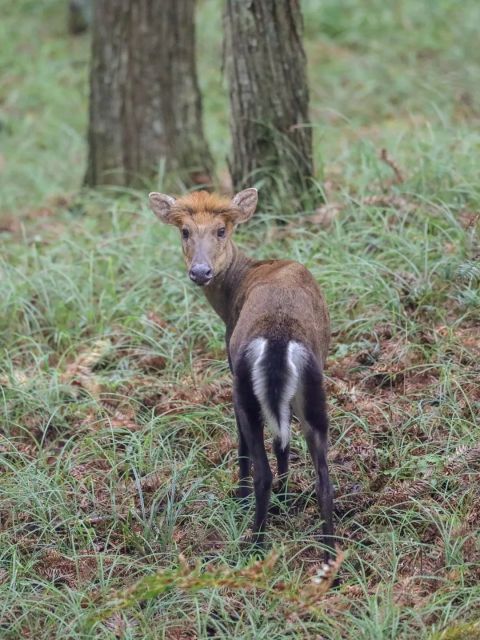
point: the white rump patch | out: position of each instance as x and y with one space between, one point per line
296 356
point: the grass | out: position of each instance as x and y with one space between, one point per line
117 437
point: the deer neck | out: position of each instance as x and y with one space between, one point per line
225 291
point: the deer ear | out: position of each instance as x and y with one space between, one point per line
245 202
161 205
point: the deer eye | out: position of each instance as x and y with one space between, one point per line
185 234
221 232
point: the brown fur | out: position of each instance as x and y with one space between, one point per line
202 213
270 298
277 300
282 300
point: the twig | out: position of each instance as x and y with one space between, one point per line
399 177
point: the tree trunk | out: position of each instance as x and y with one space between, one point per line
266 68
145 105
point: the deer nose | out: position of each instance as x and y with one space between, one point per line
201 273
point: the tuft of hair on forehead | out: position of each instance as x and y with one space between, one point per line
203 202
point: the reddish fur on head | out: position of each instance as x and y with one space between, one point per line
206 222
203 203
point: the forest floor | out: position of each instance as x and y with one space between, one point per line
117 436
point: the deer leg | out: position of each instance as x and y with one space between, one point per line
315 427
250 421
244 461
282 456
323 487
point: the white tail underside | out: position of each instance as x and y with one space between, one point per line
296 356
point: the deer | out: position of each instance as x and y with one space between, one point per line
277 339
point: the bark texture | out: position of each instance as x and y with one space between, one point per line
145 105
266 68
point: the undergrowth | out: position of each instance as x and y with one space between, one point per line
117 436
